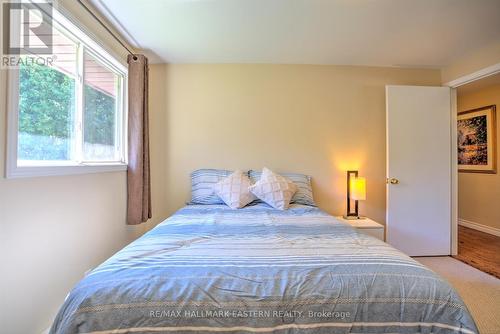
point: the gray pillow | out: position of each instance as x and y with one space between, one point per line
202 182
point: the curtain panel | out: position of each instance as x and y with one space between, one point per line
138 174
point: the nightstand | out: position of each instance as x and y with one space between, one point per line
367 226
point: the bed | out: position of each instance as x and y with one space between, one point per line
209 268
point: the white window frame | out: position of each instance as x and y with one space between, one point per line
52 168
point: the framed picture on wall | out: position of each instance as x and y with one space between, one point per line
477 136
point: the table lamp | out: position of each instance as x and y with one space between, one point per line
356 191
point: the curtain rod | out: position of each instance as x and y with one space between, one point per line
107 29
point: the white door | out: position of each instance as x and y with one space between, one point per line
419 169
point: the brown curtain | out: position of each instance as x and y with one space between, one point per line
138 175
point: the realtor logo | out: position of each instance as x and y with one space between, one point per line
26 33
27 28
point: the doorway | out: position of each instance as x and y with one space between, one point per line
478 178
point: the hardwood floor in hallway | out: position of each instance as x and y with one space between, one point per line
479 250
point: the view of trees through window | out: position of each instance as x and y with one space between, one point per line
68 110
99 114
47 112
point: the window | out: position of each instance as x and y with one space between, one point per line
67 116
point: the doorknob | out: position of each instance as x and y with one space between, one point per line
393 180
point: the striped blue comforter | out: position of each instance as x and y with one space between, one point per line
258 270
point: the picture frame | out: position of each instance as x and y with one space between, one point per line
477 140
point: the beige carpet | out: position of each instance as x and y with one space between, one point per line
479 291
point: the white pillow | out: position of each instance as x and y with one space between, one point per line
274 189
233 190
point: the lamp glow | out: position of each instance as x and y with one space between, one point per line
358 188
356 191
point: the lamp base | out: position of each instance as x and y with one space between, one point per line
353 217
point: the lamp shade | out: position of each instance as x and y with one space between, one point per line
358 188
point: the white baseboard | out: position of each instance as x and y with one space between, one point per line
479 227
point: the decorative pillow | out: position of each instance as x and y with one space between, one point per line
274 189
304 194
202 183
233 190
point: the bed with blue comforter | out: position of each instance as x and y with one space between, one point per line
210 269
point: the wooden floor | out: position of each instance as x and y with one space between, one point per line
479 250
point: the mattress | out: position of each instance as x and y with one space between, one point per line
211 269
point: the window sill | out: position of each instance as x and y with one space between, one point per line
34 171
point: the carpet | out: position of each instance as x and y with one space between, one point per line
479 291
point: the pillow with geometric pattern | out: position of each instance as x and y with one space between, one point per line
274 189
304 194
233 190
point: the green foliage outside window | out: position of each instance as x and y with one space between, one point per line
46 101
46 114
99 117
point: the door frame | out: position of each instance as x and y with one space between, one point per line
454 84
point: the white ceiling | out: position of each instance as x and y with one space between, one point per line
409 33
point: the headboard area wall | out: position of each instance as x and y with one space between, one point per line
317 120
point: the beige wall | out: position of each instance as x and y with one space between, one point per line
479 194
53 229
319 120
471 62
